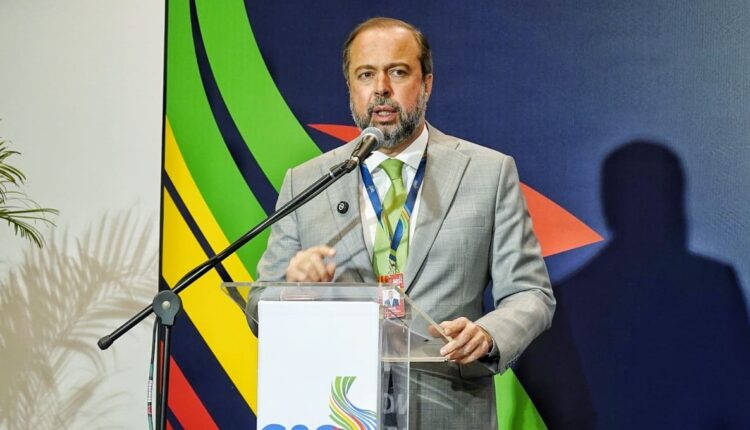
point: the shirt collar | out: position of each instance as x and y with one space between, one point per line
411 156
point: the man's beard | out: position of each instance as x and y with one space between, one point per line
402 130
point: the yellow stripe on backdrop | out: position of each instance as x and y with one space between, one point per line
217 318
178 172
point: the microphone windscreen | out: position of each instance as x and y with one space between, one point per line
376 134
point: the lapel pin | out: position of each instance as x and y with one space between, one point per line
342 207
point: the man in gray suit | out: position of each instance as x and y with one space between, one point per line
469 226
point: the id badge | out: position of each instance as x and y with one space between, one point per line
393 301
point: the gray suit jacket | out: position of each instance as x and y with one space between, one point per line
472 227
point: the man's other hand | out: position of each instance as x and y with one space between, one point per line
310 265
470 341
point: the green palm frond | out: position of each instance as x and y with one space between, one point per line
22 222
20 212
8 172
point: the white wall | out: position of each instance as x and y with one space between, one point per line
81 99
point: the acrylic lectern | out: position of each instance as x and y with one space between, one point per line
335 355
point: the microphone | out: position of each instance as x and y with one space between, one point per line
370 140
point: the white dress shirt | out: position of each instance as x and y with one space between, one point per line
411 156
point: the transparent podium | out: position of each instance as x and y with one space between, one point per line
335 356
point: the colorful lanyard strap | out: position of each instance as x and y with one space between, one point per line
411 199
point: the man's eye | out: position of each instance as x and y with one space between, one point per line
365 76
398 73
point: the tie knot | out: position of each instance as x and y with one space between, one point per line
392 168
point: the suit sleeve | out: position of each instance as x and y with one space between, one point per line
521 290
283 244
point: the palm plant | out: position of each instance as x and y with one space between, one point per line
16 208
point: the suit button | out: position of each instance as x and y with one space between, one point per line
342 207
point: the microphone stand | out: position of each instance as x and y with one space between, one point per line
167 304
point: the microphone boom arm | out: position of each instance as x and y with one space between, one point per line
335 173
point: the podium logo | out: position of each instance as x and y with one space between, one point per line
344 414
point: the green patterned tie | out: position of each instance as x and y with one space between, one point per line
393 205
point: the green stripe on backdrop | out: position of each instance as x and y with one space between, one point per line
201 143
267 125
515 409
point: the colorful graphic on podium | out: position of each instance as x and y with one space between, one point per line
344 413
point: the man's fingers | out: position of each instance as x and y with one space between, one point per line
309 265
471 346
316 268
322 250
331 270
434 332
469 341
474 356
452 328
293 275
323 271
456 344
469 352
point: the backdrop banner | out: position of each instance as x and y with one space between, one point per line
628 122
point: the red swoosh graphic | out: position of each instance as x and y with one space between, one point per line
557 229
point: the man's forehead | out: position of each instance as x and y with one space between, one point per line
392 43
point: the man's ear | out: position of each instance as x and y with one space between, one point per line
428 85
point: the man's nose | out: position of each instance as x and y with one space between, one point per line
383 85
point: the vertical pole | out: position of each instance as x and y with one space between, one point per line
166 306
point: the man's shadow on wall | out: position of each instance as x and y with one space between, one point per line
647 335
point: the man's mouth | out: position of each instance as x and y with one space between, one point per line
384 113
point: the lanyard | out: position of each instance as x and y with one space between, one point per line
411 199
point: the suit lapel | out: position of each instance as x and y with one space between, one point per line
444 170
349 224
